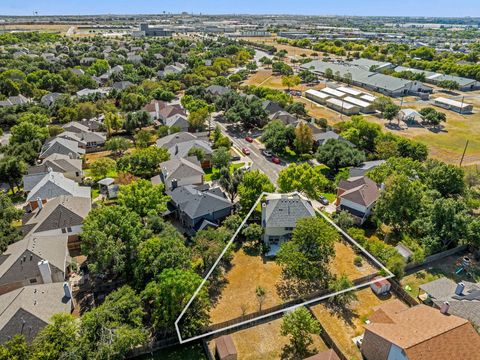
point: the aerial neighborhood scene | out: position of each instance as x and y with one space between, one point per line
240 180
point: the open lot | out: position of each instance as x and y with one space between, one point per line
249 270
345 325
265 342
446 267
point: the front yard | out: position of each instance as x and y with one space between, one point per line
265 342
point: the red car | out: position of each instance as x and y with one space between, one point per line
246 151
249 139
275 160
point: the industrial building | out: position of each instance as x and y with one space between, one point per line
385 84
146 30
453 105
364 106
342 106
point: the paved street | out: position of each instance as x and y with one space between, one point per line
259 161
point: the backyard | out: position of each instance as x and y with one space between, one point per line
250 270
265 342
180 352
345 325
446 267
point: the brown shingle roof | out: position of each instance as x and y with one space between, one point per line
225 346
425 333
360 190
325 355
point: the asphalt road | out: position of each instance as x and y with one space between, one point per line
259 162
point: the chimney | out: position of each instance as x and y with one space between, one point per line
70 155
459 289
66 290
39 203
45 271
174 184
176 149
49 169
445 307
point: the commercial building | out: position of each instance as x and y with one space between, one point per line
317 96
146 30
364 106
342 106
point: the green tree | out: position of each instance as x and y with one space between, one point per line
303 178
221 158
143 138
253 184
300 325
344 220
291 81
8 214
400 202
112 329
230 182
303 138
344 299
56 339
391 111
143 162
118 145
168 296
27 132
307 255
15 349
110 236
253 232
101 167
197 119
337 154
137 120
276 136
447 179
12 170
199 153
143 197
261 295
113 122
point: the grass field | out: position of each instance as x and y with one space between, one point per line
62 28
342 327
266 342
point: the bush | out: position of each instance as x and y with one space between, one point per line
358 261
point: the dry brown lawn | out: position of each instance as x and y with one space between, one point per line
292 50
248 272
343 327
265 342
39 27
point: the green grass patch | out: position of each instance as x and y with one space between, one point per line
95 192
213 173
187 352
330 196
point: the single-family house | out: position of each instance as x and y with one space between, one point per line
217 90
53 185
179 121
122 85
170 110
27 310
15 100
271 107
61 146
418 333
180 172
62 215
463 298
324 355
70 168
180 144
321 138
280 213
285 117
50 98
34 260
364 168
357 195
199 207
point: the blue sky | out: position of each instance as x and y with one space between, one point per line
451 8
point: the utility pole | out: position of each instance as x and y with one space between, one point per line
464 151
461 107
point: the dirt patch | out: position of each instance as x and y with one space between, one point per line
343 263
342 327
265 342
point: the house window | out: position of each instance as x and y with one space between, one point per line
64 230
69 229
33 281
289 228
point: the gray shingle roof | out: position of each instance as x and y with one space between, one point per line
196 203
55 184
61 146
179 168
173 139
284 210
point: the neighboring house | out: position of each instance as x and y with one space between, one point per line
324 355
99 92
153 108
70 168
87 140
61 146
170 110
199 207
271 107
280 213
180 172
94 124
396 332
122 85
463 298
217 90
53 185
357 195
49 99
28 310
180 144
364 168
178 120
171 69
61 215
285 117
15 100
34 260
77 71
321 138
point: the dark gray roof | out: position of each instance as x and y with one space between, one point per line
179 168
285 117
321 138
284 210
61 146
173 139
217 90
466 306
55 184
196 203
271 107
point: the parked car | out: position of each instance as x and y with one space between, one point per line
323 200
267 153
249 139
246 151
276 160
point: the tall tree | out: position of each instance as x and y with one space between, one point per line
337 154
300 325
230 182
143 198
253 184
304 178
303 138
8 214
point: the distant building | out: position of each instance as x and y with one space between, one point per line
153 31
364 168
357 195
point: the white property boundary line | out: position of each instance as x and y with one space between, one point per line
293 307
